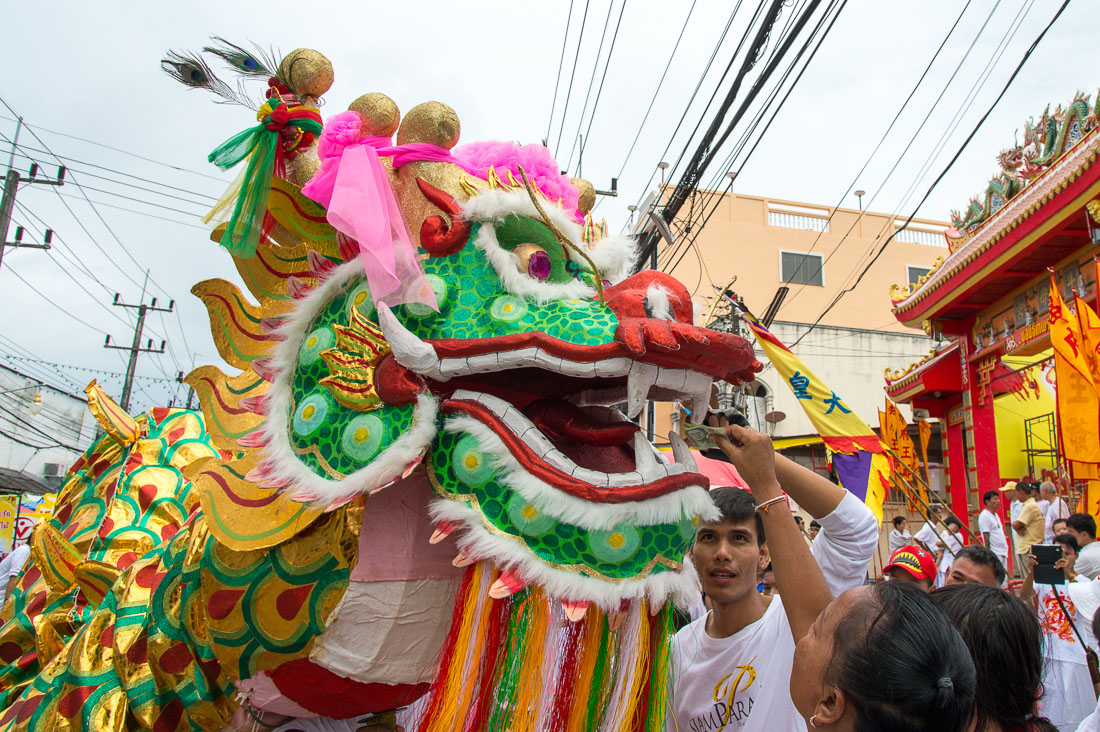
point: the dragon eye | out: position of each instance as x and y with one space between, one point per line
533 260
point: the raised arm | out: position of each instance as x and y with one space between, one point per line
797 576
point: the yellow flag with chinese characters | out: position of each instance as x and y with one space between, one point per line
1077 398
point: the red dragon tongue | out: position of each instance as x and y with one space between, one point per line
564 421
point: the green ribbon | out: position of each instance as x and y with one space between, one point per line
260 145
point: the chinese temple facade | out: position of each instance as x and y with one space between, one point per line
986 303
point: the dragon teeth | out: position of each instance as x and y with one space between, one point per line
638 383
645 462
682 452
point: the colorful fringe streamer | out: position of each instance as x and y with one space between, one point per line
517 664
263 148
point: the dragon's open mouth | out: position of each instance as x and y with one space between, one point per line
562 428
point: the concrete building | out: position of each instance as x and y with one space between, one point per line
769 243
43 430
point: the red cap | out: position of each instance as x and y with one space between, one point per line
915 561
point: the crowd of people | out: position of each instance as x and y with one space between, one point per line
795 636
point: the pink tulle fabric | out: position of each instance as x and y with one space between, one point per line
354 188
477 157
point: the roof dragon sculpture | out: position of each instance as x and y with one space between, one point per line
415 484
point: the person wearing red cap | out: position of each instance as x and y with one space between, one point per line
914 565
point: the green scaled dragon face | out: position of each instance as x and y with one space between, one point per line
515 398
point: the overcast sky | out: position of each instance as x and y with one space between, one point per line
91 70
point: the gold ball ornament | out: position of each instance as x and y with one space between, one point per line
431 122
307 71
587 200
379 113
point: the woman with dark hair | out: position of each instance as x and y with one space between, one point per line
883 657
1001 633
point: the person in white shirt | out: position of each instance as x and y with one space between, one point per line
928 537
731 668
899 535
949 537
1058 508
1014 508
10 567
1082 527
991 528
1070 696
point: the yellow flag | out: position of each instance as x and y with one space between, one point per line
1078 401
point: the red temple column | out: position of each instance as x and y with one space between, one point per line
980 423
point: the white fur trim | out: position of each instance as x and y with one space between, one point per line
614 256
656 300
509 553
691 501
386 467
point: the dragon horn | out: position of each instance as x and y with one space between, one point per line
435 237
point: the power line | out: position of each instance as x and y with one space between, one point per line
660 84
606 66
714 195
912 139
572 74
947 168
694 94
109 147
557 79
592 80
27 148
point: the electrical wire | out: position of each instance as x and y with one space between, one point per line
109 147
947 168
557 78
653 99
29 149
572 74
578 141
716 197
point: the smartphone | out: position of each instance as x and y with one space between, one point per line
1047 555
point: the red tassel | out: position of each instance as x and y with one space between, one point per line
490 666
448 652
565 694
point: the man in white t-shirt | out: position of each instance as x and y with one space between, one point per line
1058 508
928 537
991 528
731 668
1082 527
10 567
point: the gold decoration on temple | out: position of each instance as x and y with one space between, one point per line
359 348
899 293
1093 207
892 375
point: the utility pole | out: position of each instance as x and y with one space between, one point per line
136 348
7 200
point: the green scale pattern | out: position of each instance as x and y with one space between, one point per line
462 468
475 305
347 439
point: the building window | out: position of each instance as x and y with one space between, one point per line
802 269
915 273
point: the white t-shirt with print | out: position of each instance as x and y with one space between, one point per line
749 672
1069 698
990 523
